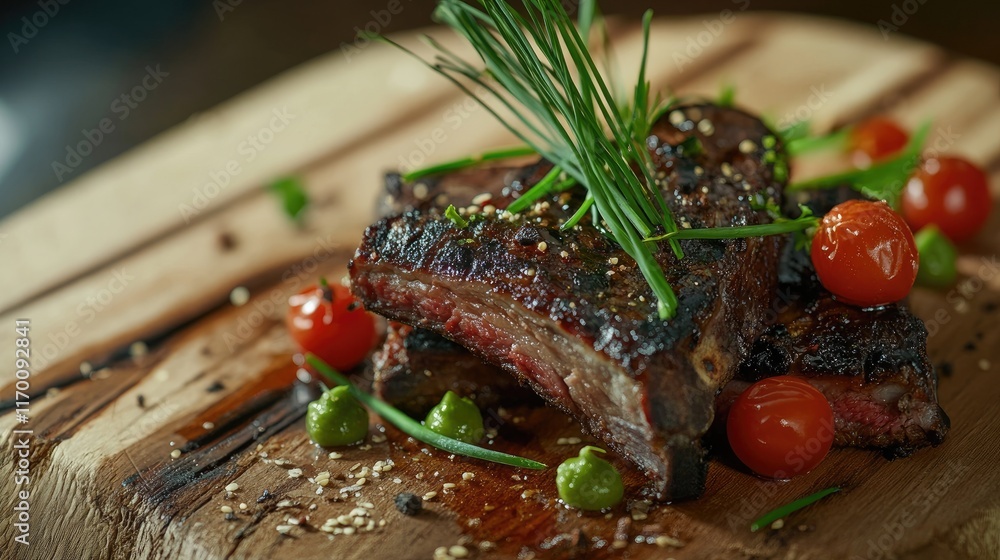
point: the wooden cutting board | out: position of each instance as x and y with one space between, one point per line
147 249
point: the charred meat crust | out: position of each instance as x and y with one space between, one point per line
872 366
575 318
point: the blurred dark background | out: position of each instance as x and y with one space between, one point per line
64 64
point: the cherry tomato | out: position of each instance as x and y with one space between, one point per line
875 139
864 253
950 193
781 427
327 321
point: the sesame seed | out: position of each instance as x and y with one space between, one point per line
284 529
448 485
361 481
86 368
378 438
665 541
726 168
232 487
706 127
226 509
430 495
138 349
355 467
613 260
488 507
176 453
397 480
564 254
748 146
482 198
334 455
468 476
676 118
984 364
349 530
243 506
239 296
458 551
619 544
778 524
294 473
529 272
639 515
543 246
420 191
208 425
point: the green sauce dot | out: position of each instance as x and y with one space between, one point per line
588 482
336 418
456 417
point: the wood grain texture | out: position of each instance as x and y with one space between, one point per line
112 260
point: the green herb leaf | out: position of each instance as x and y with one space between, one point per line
774 515
794 131
884 180
292 195
727 96
415 429
780 226
452 214
805 144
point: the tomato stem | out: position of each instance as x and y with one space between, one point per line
327 291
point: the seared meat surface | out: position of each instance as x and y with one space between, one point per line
570 314
872 366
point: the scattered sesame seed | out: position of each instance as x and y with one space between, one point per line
349 530
727 169
984 364
619 544
138 349
613 260
529 272
232 487
334 455
778 524
361 481
430 495
226 509
639 515
482 198
243 506
488 507
378 438
86 368
665 541
748 146
458 551
676 117
468 476
543 246
420 191
239 296
284 504
176 453
284 529
397 480
706 127
208 425
294 473
448 485
564 254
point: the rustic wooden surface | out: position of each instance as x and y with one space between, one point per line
142 250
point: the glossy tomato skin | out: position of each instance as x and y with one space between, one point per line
864 253
951 193
781 427
876 139
332 325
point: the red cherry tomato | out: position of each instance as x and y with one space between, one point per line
875 139
781 427
329 322
950 193
864 253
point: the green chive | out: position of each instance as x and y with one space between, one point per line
794 131
292 195
774 515
415 429
452 214
801 223
727 96
465 162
